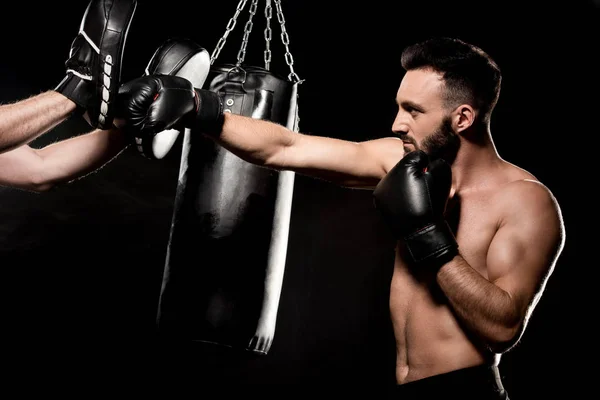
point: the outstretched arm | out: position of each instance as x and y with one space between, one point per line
520 259
61 162
152 103
351 164
25 120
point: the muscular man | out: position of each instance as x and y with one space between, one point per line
478 237
89 88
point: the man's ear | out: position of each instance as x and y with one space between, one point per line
463 117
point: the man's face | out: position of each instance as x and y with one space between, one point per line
422 121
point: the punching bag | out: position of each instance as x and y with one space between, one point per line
227 248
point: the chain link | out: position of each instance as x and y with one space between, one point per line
228 29
285 39
268 34
247 29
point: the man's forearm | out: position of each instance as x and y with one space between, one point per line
23 121
483 307
256 141
76 157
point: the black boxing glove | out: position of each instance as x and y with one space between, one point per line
176 56
412 199
153 103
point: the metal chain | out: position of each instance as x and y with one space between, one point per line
247 29
285 39
228 29
268 34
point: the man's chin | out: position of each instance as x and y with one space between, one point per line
409 147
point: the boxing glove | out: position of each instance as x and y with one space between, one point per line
412 199
152 103
176 56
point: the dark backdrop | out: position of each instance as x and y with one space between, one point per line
82 265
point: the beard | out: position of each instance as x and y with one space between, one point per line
443 143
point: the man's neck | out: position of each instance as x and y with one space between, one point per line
473 163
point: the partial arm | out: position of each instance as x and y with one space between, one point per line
150 104
25 120
351 164
41 169
520 259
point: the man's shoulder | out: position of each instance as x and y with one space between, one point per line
527 189
526 198
522 186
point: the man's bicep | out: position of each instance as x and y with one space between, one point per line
353 164
20 168
524 250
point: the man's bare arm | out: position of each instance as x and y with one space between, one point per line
61 162
25 120
347 163
520 259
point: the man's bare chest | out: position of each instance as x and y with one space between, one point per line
474 220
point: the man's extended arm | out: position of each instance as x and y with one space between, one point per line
23 121
41 169
347 163
152 103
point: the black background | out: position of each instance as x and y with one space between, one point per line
82 265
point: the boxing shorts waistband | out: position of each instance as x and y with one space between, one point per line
477 382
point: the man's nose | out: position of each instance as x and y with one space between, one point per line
400 125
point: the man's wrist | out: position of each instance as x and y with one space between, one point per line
433 245
209 116
77 90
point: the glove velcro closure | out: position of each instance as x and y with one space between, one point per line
209 116
77 90
433 244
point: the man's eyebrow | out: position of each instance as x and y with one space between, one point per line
406 104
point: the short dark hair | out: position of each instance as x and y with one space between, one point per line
471 76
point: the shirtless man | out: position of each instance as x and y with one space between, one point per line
464 288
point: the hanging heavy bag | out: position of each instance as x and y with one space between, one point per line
227 247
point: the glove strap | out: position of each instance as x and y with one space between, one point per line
209 116
433 244
77 90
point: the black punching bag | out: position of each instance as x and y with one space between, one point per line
229 235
